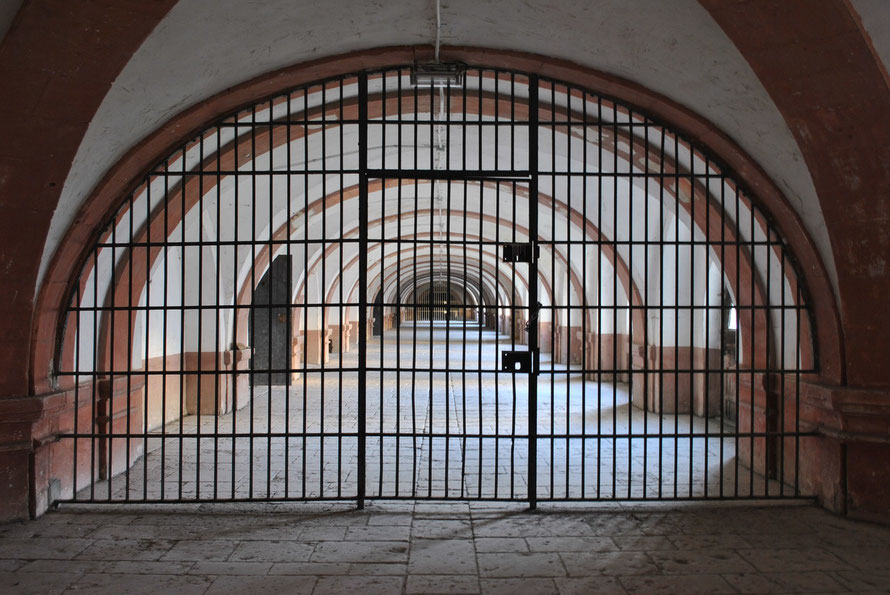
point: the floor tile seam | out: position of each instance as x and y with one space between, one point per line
849 566
622 578
473 538
844 582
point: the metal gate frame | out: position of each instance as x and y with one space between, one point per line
111 391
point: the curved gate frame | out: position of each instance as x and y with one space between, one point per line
113 388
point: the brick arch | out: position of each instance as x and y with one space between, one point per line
135 271
295 76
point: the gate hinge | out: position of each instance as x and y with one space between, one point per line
521 252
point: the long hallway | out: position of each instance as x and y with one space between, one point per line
454 428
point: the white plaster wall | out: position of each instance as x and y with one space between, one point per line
875 15
674 48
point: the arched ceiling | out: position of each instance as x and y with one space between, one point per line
674 48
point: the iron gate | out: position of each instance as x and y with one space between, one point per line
506 288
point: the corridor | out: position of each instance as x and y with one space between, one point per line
455 429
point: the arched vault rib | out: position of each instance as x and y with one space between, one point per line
238 150
57 289
630 288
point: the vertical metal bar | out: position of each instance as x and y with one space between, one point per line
781 371
94 389
431 297
691 312
752 362
534 88
448 286
615 279
129 366
706 348
414 299
738 353
449 307
464 300
381 243
645 299
182 325
569 308
630 299
553 249
662 252
497 378
288 115
466 278
514 311
599 296
486 313
166 261
769 405
363 283
304 463
272 299
320 316
723 328
676 312
147 326
567 180
199 377
398 294
253 286
585 305
235 253
797 366
216 336
75 304
111 298
342 323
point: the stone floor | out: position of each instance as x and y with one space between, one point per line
443 548
457 433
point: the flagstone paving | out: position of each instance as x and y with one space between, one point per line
406 547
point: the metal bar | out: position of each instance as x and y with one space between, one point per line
363 286
533 298
446 434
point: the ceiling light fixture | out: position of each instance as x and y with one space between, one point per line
438 74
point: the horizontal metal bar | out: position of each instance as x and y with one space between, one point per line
279 243
208 172
666 243
433 174
259 435
455 324
716 497
259 243
299 306
461 370
452 174
203 500
750 497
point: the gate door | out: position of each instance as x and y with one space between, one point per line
674 327
449 235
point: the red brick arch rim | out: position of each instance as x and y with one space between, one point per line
130 170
